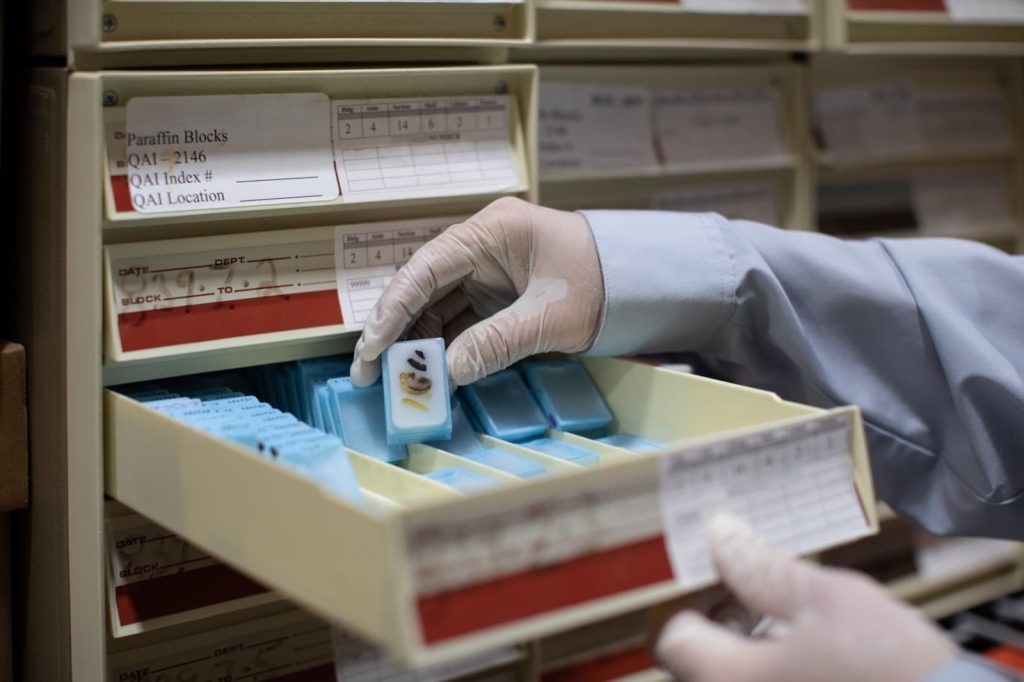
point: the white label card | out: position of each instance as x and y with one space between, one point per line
891 120
354 659
366 260
757 201
746 6
391 149
965 118
177 280
986 11
588 128
217 151
864 123
719 127
793 484
141 550
963 202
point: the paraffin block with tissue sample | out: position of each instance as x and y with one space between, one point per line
416 399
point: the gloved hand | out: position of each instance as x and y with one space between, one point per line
836 625
512 281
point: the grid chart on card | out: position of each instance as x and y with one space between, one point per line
423 147
795 488
371 260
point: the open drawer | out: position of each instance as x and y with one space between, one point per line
431 574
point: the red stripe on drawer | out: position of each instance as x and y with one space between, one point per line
122 193
211 321
897 5
515 597
607 668
181 592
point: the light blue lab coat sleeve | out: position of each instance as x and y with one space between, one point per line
926 336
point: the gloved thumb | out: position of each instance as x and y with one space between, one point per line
764 579
691 647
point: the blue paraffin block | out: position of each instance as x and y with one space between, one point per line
462 479
630 442
567 394
164 404
325 461
509 462
464 440
324 416
277 435
361 420
236 430
313 373
569 453
504 408
416 400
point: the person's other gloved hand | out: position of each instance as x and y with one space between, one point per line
513 280
836 625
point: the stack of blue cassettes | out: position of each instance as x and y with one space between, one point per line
519 405
305 413
503 406
465 443
244 419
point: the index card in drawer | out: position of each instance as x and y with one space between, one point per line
216 151
169 293
157 579
397 149
712 126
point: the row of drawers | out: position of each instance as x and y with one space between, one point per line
684 125
159 302
139 33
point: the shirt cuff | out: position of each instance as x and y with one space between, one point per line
669 280
967 668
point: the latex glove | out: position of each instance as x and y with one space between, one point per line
837 625
513 280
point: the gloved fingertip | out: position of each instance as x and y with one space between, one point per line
681 624
364 373
681 635
460 370
727 528
366 350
